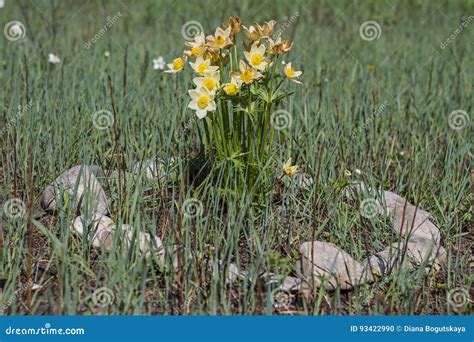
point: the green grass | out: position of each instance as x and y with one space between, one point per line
408 148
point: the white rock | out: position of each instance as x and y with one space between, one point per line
326 265
146 243
101 227
83 188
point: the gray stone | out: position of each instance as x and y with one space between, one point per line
326 265
84 190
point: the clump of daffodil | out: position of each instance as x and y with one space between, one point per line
290 170
235 87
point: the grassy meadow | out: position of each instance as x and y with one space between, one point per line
379 106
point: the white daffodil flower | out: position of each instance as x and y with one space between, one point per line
210 81
202 66
202 101
255 56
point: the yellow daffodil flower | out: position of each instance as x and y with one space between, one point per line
289 169
202 66
202 101
291 73
220 39
197 47
176 65
233 87
247 74
210 81
256 56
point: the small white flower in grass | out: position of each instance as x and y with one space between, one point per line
202 101
202 66
106 54
53 59
256 56
291 73
358 172
159 63
210 81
